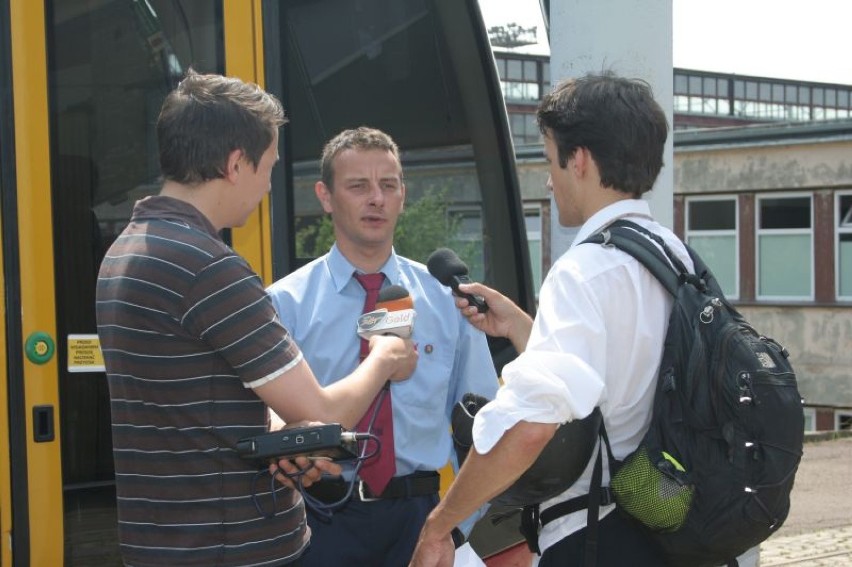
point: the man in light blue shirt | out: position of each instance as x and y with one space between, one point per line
320 303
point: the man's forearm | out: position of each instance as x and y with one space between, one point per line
519 333
484 476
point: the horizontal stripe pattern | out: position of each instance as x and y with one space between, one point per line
185 326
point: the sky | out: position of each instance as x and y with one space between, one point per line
807 40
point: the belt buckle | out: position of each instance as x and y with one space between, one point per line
362 494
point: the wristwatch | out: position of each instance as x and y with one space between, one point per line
458 537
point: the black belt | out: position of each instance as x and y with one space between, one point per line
420 483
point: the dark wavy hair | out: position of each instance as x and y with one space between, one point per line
207 117
617 120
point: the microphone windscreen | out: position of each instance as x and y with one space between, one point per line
443 264
394 298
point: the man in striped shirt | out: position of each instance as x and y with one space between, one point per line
195 353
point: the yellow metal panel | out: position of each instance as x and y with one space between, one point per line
32 150
5 469
244 59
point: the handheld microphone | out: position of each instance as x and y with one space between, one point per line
394 315
448 268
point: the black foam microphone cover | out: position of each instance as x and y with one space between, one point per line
391 293
443 264
448 268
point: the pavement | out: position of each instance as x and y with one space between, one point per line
818 530
831 547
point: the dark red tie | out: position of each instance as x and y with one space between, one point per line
377 471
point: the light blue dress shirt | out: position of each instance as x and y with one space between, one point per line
320 304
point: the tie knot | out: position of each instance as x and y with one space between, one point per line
371 282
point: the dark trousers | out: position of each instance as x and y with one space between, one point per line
382 533
620 543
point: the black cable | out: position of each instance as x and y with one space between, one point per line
273 487
324 510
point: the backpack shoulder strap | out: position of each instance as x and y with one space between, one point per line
634 240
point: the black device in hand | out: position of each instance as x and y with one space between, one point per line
448 268
323 441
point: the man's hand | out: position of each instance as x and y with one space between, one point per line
433 551
307 469
503 318
399 353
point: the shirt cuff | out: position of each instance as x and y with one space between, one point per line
272 376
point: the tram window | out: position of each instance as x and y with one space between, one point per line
374 63
110 65
385 65
113 65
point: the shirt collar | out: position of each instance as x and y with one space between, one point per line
341 269
605 216
162 207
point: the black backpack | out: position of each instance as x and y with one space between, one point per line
712 476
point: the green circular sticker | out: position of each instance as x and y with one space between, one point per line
39 347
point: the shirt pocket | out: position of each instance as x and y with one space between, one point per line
429 385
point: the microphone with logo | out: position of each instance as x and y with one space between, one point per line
448 268
394 315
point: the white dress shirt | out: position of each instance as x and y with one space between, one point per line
597 340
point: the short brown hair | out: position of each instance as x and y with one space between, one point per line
205 118
361 138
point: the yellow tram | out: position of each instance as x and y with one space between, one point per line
81 82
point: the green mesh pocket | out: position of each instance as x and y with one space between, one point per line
660 500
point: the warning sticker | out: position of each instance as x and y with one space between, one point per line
84 354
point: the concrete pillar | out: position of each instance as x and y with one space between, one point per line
632 38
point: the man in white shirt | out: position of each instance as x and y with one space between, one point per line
597 338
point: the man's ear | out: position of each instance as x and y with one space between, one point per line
233 165
581 161
402 203
323 193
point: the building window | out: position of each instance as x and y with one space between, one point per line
810 419
711 230
842 420
469 236
532 221
844 245
701 94
519 79
762 99
524 128
784 247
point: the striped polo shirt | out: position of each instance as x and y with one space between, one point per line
186 331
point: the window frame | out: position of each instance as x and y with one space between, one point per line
810 415
688 232
758 232
536 209
839 414
528 88
838 230
478 237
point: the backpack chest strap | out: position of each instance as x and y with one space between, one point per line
574 505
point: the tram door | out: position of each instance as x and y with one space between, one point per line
88 77
110 64
81 84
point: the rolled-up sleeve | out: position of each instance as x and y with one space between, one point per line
559 377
